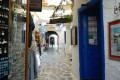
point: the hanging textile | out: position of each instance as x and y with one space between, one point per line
37 59
32 65
44 41
58 40
31 28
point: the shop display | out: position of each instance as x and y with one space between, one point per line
4 12
114 39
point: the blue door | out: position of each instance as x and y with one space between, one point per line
92 55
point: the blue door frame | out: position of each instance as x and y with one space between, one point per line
81 57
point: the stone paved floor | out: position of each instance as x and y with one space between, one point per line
54 66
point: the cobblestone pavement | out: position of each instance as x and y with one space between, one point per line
54 66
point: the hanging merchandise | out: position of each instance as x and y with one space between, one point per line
37 38
37 59
32 65
44 41
31 28
42 27
41 35
57 40
41 43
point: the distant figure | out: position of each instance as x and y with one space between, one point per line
52 41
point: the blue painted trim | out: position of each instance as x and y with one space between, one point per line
81 69
102 36
65 36
89 4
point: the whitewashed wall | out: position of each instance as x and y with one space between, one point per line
68 39
61 39
75 48
112 67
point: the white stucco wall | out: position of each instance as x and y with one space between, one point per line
75 48
68 39
61 39
112 67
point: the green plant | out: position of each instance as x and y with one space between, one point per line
69 17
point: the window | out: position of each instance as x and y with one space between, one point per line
92 30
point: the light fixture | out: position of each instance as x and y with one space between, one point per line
116 10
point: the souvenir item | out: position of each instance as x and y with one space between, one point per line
4 5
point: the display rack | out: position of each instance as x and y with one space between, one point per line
4 12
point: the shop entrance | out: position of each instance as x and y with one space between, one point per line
91 59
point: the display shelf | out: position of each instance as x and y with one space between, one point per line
4 39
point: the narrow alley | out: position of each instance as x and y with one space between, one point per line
55 66
59 39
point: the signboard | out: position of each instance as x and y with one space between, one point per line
74 36
50 27
36 5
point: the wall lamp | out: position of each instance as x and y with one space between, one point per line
117 9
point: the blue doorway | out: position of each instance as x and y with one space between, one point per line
91 42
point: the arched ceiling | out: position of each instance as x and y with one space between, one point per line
51 32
